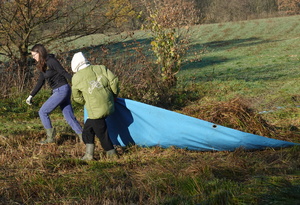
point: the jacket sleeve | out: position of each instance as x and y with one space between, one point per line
114 82
39 84
76 93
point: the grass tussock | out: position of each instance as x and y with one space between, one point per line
235 113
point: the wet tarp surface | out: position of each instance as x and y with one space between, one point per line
145 125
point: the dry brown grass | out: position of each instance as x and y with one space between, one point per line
236 114
52 174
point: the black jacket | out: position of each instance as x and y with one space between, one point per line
55 75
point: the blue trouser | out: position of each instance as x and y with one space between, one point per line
61 97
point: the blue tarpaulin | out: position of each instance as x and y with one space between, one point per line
145 125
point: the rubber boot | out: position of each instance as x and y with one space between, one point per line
80 138
111 154
89 152
51 132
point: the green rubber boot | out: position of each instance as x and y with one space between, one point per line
51 132
111 154
89 152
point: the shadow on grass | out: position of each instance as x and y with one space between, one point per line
66 137
216 46
282 192
117 48
229 44
206 61
114 48
258 73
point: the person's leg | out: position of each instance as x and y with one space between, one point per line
100 129
88 136
67 110
52 102
51 132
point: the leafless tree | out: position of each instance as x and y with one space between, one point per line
24 23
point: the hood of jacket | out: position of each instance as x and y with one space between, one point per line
79 62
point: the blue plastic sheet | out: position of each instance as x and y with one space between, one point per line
145 125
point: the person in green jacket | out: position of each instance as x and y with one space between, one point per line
96 87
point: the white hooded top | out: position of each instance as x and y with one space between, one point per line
79 62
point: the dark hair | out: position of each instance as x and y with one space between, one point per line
41 50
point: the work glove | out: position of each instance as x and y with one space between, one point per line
28 100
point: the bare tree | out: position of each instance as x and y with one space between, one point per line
216 11
24 23
290 7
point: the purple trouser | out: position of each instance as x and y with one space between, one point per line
61 97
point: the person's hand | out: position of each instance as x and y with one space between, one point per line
28 100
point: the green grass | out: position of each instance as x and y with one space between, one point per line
259 58
256 60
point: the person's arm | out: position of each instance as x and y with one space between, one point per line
113 80
76 93
39 85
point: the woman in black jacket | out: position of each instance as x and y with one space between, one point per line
57 77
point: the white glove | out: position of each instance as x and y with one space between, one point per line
28 100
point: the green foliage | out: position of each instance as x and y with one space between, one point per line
168 49
168 22
121 11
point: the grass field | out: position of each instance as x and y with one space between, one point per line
257 61
255 58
